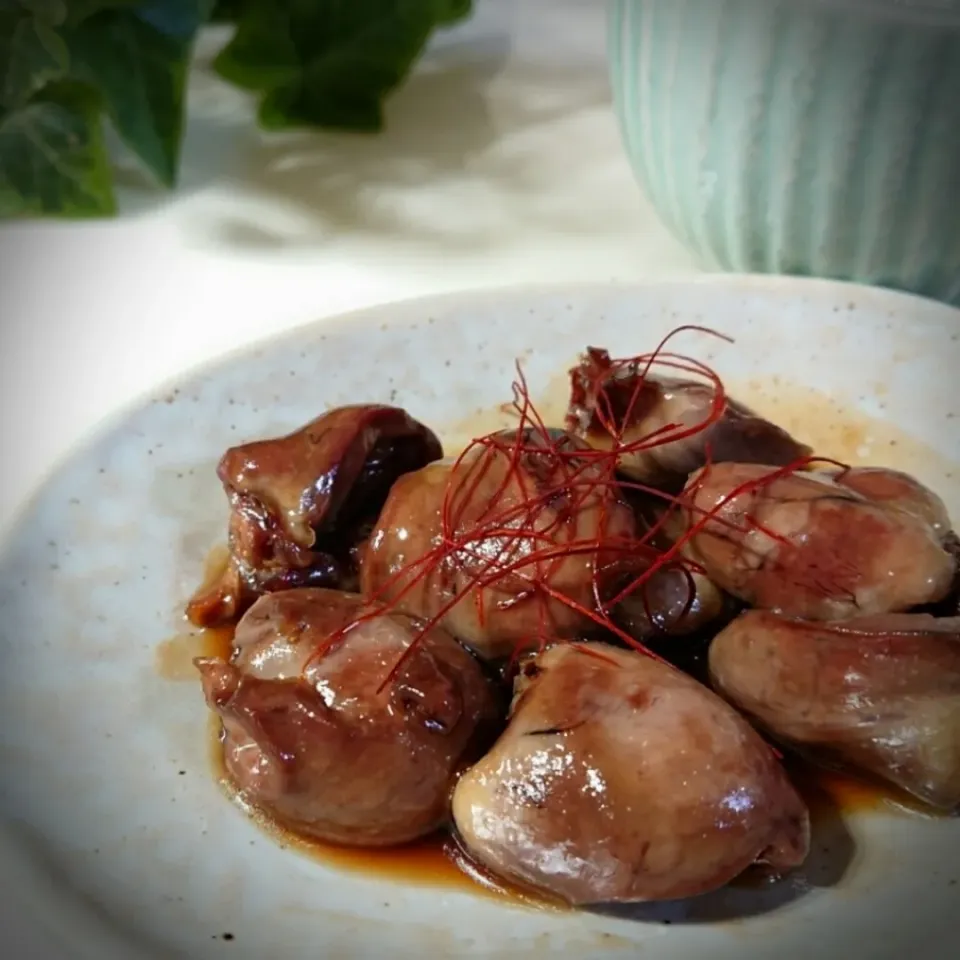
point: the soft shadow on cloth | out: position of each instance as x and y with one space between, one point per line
459 127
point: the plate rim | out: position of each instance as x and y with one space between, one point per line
770 284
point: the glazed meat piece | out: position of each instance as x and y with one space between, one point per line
621 779
511 543
609 393
879 695
804 546
678 599
892 488
674 602
282 632
311 740
300 504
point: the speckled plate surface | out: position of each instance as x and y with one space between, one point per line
116 840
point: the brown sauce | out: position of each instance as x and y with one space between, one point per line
435 861
215 642
173 658
846 792
831 792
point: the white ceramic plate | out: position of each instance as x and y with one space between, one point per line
117 840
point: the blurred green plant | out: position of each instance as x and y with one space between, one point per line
67 64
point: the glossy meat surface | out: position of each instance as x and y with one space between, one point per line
893 488
280 634
606 393
678 599
674 602
621 779
879 695
805 546
311 740
531 536
299 504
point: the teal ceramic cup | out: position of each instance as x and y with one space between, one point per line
817 137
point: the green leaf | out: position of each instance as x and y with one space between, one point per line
329 62
138 60
52 12
453 11
178 19
171 16
228 11
262 54
31 54
80 10
290 107
52 156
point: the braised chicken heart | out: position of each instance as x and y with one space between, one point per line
621 779
614 403
300 504
803 545
893 488
678 599
508 545
311 739
878 695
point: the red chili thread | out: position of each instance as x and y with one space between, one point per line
517 538
533 555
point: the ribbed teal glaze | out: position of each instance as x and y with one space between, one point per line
786 136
